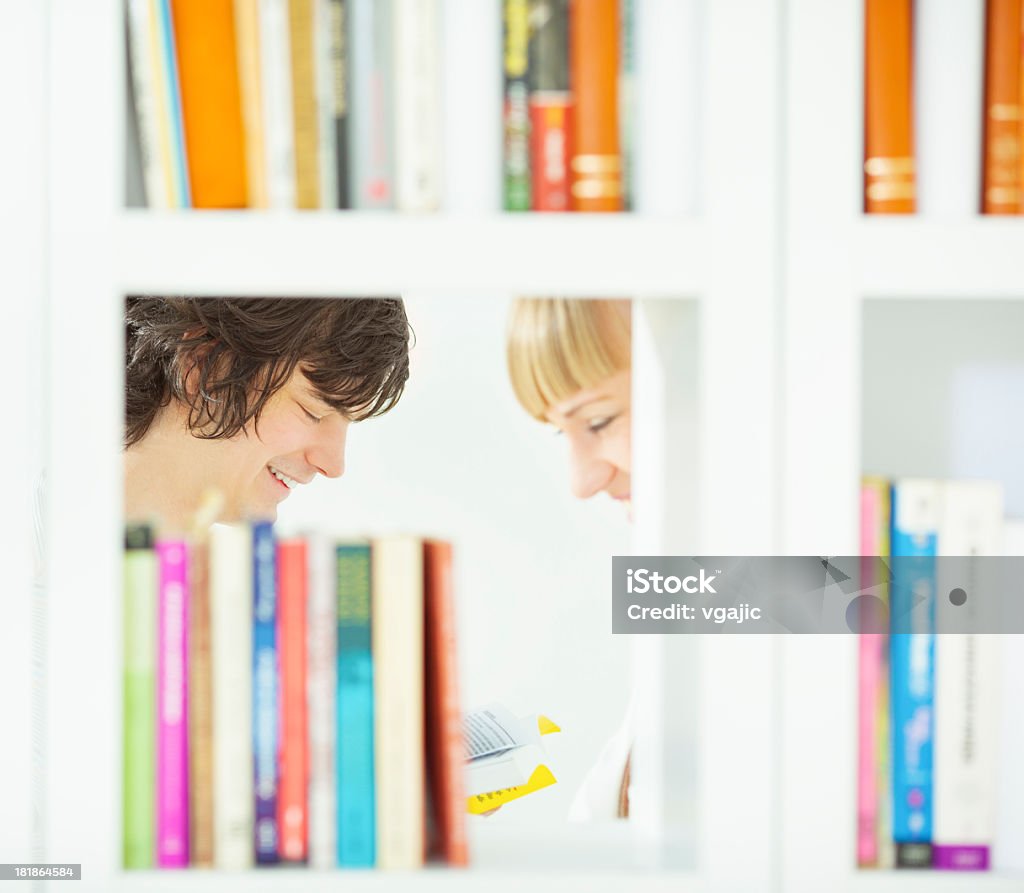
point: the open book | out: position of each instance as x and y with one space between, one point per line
506 758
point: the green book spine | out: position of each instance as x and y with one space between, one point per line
140 592
516 112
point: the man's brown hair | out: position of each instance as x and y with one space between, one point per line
224 358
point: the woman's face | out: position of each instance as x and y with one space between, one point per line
596 423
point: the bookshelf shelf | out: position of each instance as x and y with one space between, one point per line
354 253
910 257
930 882
427 881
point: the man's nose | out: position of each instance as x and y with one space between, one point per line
328 454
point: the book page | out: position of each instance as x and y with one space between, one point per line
494 729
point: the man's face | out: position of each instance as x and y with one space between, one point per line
299 437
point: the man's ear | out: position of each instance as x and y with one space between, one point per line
193 356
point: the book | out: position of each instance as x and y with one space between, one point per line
967 670
306 138
276 93
211 102
417 98
505 757
371 119
550 104
873 666
250 78
445 743
516 105
136 158
1001 183
340 97
172 127
321 696
1007 852
949 45
397 633
627 100
595 160
292 817
916 513
200 707
356 820
172 706
139 680
153 70
265 674
323 64
889 159
231 636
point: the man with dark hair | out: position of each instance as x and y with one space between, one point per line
250 397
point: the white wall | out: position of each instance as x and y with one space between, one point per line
458 458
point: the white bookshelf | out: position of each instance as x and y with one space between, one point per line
705 765
748 389
836 261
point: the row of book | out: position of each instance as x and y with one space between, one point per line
285 103
568 72
930 767
943 93
267 716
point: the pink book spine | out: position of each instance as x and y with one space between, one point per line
172 712
869 679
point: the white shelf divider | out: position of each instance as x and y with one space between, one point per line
244 252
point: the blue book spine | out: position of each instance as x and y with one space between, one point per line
264 691
176 123
915 507
357 820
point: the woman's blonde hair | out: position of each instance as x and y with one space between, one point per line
559 346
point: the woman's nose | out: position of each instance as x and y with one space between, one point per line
588 474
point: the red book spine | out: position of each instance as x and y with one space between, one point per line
292 809
446 749
550 103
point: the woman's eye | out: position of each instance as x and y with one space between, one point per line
309 415
596 425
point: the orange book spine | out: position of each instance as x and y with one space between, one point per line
595 167
446 749
211 102
890 185
292 810
1001 164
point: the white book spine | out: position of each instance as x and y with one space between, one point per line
371 132
949 47
966 685
417 27
397 639
666 106
141 38
328 160
1008 850
321 682
231 601
278 125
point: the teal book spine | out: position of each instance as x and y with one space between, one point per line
355 761
139 763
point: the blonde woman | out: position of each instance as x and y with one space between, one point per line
569 362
